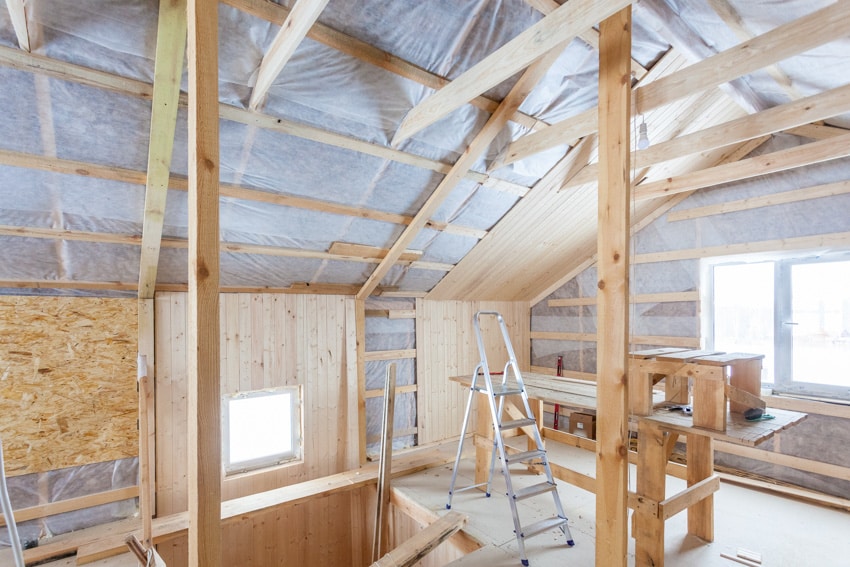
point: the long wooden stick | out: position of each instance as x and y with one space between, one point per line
379 542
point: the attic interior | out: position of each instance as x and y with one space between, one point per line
225 224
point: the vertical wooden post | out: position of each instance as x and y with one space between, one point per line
700 454
649 526
204 382
612 305
147 420
360 332
380 542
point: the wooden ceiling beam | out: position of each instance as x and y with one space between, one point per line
589 36
277 14
347 253
18 15
554 31
777 119
478 146
825 25
39 64
298 22
180 183
800 156
168 73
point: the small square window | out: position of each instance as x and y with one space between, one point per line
260 429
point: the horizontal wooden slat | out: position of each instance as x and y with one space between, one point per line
392 313
799 463
379 393
785 197
350 249
671 297
818 242
692 342
688 497
390 354
831 408
72 504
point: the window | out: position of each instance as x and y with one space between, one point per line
261 428
794 311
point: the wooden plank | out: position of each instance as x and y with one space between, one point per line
670 297
808 154
204 401
380 540
413 550
784 197
700 455
72 504
18 15
379 393
389 354
461 167
688 497
360 333
816 242
649 528
147 418
823 26
612 308
554 31
807 465
301 17
349 249
566 131
392 313
168 74
687 342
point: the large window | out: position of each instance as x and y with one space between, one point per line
261 428
794 311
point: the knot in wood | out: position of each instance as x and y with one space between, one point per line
600 284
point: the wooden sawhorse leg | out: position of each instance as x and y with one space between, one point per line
700 454
651 484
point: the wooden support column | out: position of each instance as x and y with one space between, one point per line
204 431
612 307
649 526
700 455
147 420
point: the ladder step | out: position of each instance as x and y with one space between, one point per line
518 423
500 390
542 526
526 456
534 490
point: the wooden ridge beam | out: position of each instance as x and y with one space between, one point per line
18 15
277 14
298 22
168 73
823 26
478 146
39 64
554 31
800 156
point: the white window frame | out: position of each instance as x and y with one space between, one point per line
268 460
783 380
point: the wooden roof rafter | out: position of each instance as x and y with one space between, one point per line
557 29
168 72
18 15
478 146
298 22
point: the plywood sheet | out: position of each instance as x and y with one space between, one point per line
67 381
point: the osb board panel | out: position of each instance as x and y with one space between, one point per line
67 381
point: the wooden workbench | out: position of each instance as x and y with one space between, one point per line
657 435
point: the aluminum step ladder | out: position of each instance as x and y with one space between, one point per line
496 394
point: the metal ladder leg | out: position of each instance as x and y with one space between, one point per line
463 429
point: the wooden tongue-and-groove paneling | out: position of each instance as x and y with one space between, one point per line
267 340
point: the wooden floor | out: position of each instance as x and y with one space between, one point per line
785 532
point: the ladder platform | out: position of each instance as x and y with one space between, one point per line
526 456
543 526
501 389
534 490
514 423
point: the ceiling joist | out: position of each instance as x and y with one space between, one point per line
302 16
168 72
555 30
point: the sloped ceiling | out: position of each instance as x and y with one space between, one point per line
315 191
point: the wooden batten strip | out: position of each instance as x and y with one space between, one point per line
379 393
413 550
799 463
818 242
392 313
18 15
671 297
785 197
72 504
689 342
390 354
